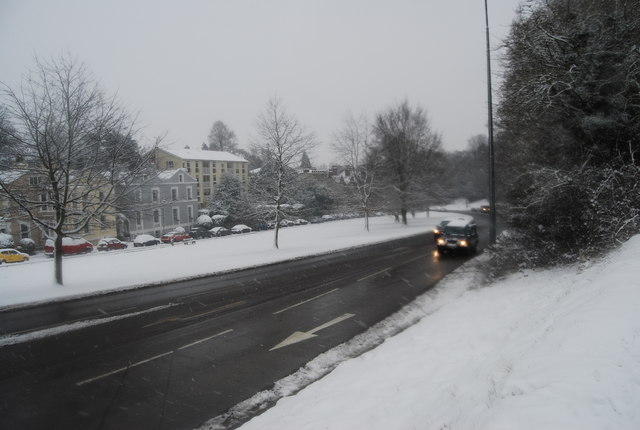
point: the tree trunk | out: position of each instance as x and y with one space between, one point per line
57 258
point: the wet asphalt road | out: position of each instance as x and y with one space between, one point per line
173 356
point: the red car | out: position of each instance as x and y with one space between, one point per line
70 245
174 236
110 244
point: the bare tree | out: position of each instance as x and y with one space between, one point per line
282 140
406 145
222 138
74 146
355 145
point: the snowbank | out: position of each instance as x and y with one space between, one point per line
556 349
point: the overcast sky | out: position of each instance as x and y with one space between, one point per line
184 64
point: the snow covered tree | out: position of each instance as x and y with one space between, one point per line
222 138
282 140
354 143
305 162
570 127
75 147
405 145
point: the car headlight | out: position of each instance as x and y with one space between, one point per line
441 241
463 243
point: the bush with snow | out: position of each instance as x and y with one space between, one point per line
6 240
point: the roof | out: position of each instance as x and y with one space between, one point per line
200 154
9 176
166 175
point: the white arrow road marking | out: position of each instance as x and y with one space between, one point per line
299 336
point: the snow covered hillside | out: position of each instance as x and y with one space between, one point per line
555 349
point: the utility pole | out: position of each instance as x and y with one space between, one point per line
492 184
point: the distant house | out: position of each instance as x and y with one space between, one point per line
160 203
207 167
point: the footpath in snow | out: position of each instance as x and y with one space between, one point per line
554 349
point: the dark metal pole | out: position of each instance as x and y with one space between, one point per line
492 185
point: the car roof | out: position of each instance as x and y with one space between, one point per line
459 223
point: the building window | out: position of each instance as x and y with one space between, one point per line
101 196
139 195
228 166
206 179
181 178
103 222
189 193
205 164
176 216
25 232
35 180
169 164
154 194
190 212
156 216
207 191
139 220
43 198
174 194
237 171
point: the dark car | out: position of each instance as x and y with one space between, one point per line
145 240
200 233
437 231
458 235
110 244
220 231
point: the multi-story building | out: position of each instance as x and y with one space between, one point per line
160 203
207 167
34 190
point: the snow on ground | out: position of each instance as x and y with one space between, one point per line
554 349
102 271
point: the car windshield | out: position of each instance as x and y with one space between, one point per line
455 231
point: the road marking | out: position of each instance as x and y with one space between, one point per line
14 338
374 274
305 301
300 336
204 340
191 317
147 360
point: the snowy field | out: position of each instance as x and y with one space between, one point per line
33 281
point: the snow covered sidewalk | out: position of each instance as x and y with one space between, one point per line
557 349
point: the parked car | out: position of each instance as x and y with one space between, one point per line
26 245
485 209
70 246
200 233
301 221
241 228
174 236
110 244
10 255
220 231
458 235
145 240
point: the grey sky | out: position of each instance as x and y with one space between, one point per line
185 64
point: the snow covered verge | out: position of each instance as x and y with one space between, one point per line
554 349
